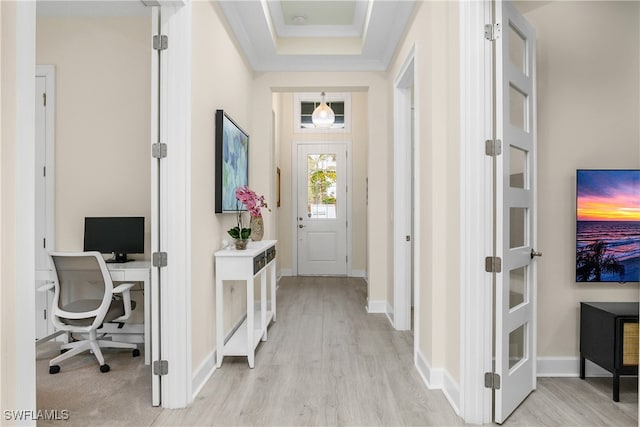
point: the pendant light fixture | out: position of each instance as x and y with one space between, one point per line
323 116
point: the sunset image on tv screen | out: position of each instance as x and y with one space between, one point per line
608 226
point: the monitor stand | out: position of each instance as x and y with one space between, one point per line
119 258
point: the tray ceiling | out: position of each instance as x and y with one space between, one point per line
316 35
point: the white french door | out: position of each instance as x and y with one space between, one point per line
515 210
321 214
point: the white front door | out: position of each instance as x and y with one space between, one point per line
515 329
321 220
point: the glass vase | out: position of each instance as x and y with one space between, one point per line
257 228
241 244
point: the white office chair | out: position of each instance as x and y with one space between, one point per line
74 270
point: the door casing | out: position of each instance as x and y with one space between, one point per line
43 273
475 213
406 222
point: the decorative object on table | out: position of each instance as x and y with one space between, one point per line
240 233
254 204
232 161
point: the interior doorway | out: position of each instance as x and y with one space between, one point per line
406 208
103 155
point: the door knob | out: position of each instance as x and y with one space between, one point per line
535 254
301 226
300 218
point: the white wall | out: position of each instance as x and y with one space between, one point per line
221 80
434 33
588 117
103 116
359 141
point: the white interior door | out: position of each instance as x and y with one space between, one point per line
321 222
43 215
515 355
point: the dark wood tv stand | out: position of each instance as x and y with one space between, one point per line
609 338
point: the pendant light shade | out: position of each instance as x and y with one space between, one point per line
323 116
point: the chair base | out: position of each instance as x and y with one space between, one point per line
91 343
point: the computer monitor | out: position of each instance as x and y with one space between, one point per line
117 235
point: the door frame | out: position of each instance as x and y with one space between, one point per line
294 200
176 320
25 54
49 73
476 352
173 220
406 224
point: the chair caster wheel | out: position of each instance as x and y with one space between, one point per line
54 369
136 353
104 368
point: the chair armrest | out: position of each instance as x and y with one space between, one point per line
123 287
125 290
49 285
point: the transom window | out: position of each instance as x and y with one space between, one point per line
305 103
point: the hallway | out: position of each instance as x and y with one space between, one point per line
326 362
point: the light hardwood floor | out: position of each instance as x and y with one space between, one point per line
327 362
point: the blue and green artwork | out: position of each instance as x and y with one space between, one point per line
235 163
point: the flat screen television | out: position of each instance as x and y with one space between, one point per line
231 163
608 225
119 236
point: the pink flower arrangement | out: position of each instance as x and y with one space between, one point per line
251 201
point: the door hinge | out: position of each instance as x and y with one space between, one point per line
492 32
44 99
44 171
160 42
493 264
492 380
44 243
346 258
160 367
45 314
493 147
159 150
159 259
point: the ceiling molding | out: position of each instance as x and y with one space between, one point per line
255 29
352 30
88 8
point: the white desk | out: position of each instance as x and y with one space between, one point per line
134 271
246 265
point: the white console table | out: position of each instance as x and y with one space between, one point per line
256 261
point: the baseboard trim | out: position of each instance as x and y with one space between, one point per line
390 315
568 367
286 272
376 307
202 374
357 273
439 379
